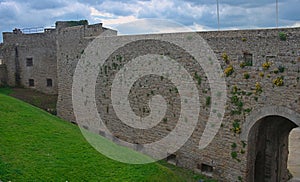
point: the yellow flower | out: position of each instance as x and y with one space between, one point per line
225 57
229 70
258 87
261 74
278 81
266 65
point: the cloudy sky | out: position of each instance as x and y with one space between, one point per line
151 14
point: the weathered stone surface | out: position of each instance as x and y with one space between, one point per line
264 45
259 114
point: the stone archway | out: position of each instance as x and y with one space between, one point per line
266 131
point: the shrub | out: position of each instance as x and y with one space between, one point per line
234 155
234 145
236 127
281 69
242 64
234 89
229 70
198 78
246 75
266 65
208 101
278 81
258 88
225 57
261 74
282 36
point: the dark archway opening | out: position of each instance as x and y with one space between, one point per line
268 149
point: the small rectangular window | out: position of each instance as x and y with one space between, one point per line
49 82
206 169
29 62
248 59
172 159
31 82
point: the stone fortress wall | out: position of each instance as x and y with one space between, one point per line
257 105
263 91
3 71
31 59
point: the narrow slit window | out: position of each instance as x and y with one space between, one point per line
49 82
31 82
29 62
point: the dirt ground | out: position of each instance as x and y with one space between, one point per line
294 155
38 99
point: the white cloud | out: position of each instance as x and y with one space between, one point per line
97 13
143 26
116 21
297 24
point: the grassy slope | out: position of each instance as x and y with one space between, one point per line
36 146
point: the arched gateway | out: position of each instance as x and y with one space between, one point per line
266 131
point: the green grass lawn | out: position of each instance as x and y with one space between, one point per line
37 146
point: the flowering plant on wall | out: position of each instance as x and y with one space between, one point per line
225 57
229 70
266 65
258 88
278 81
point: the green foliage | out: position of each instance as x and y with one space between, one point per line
235 100
282 36
105 69
247 110
77 23
256 99
234 154
198 78
281 69
244 144
119 58
234 145
115 66
208 101
246 75
236 128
